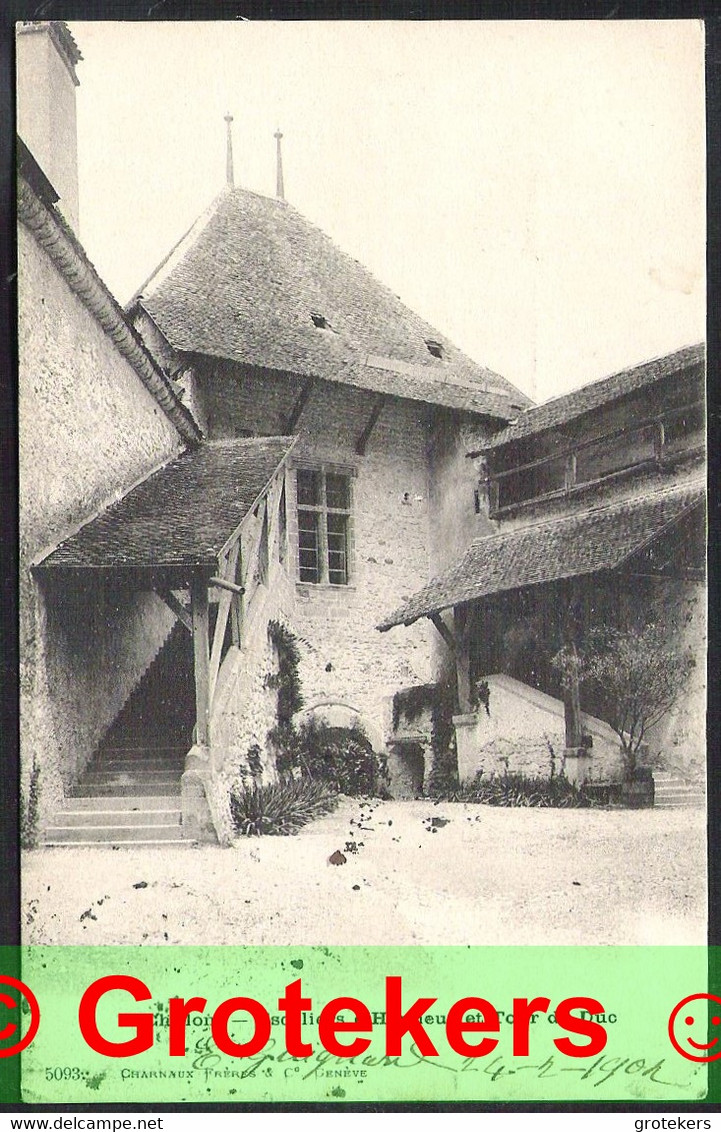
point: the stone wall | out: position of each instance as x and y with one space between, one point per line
678 742
88 431
459 504
523 732
344 657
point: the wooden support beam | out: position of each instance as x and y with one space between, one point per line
443 629
300 403
182 612
572 692
201 657
226 584
237 607
362 442
231 592
461 622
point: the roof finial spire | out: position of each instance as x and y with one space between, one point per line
279 190
229 152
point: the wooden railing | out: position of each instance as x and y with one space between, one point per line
246 566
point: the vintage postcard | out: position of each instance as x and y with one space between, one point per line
362 380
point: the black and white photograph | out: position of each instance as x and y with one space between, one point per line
362 482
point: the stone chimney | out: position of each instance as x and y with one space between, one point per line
46 58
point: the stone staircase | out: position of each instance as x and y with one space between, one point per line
672 792
129 794
125 796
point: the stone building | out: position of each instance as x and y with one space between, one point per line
269 329
268 444
596 506
266 437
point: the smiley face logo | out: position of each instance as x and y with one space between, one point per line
23 1001
695 1034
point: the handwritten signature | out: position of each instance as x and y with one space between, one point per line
323 1064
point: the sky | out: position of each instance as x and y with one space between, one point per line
535 190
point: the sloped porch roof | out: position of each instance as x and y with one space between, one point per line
583 543
182 517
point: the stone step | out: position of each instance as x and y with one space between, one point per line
121 776
79 843
698 802
679 788
145 816
131 788
113 834
680 793
672 780
151 752
124 802
127 763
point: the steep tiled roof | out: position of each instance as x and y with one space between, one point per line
560 410
181 515
584 543
246 281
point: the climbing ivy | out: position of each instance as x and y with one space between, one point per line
287 679
412 702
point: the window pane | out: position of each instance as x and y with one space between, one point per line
531 483
337 490
309 489
308 543
614 455
337 549
682 430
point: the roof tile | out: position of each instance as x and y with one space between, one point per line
181 515
584 543
560 410
246 281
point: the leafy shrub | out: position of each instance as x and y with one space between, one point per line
254 760
443 778
636 676
342 757
524 790
280 808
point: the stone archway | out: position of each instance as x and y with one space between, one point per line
349 747
343 716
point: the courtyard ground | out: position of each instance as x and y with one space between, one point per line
414 873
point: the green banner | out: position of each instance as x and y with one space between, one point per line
481 1024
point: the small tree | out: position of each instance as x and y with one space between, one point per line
635 675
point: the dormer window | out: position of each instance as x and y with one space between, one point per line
320 321
434 348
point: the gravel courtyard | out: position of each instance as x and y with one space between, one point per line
414 873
